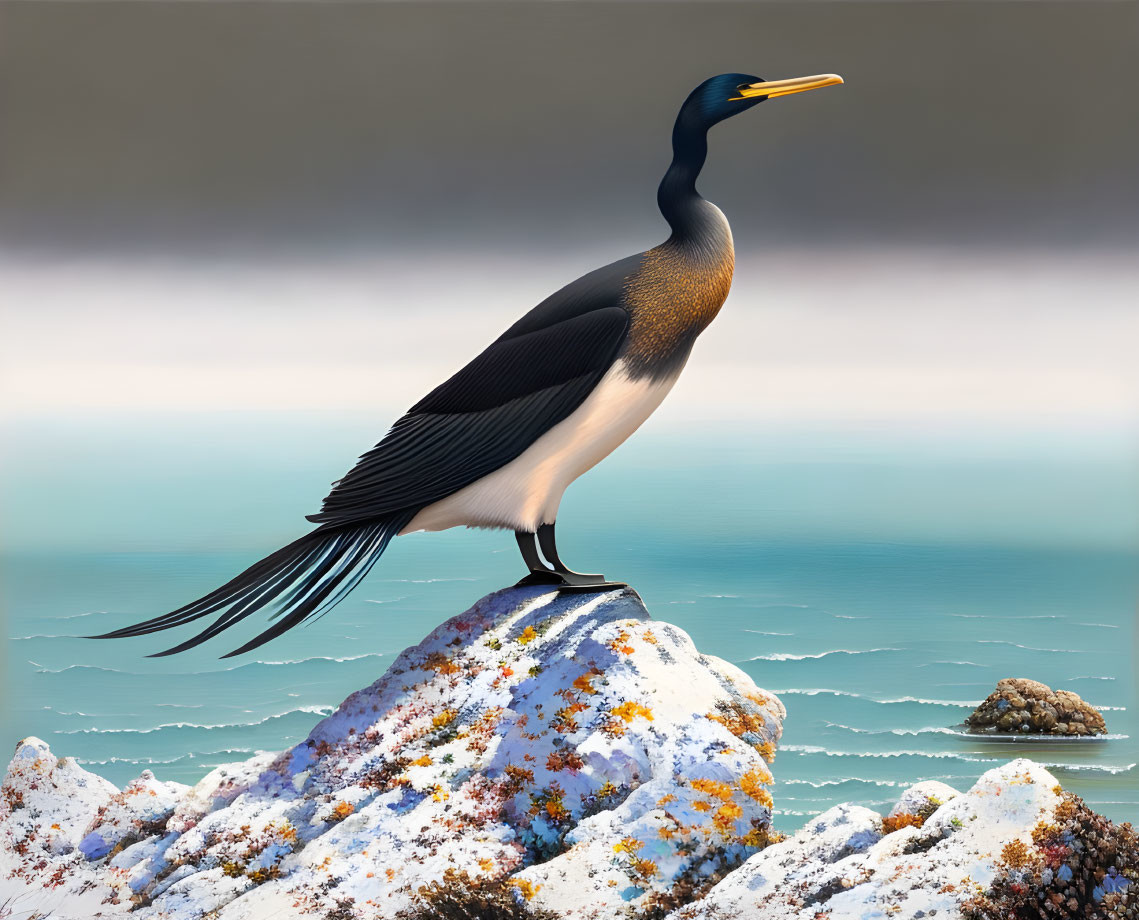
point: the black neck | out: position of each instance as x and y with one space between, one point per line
677 197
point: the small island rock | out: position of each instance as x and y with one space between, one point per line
1023 706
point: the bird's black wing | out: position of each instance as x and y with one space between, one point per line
532 377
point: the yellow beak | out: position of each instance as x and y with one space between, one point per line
773 88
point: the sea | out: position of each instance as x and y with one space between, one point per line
879 582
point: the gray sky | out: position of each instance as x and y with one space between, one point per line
222 126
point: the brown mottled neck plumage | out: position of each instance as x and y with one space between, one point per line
674 295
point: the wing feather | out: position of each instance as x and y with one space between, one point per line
481 418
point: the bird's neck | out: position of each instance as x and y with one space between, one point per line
686 212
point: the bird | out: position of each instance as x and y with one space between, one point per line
497 444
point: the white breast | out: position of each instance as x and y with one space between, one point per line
527 491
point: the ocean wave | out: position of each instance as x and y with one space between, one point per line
147 761
390 600
997 616
760 632
931 730
815 691
1090 767
41 636
1091 678
80 667
1034 737
40 669
879 755
289 661
1100 625
1032 648
788 656
76 616
309 710
421 581
969 664
819 784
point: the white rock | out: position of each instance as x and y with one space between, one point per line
566 742
46 804
842 864
141 810
924 796
589 758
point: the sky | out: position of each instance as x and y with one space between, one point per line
329 207
228 128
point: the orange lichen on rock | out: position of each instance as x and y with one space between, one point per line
725 817
752 784
628 845
564 760
896 822
341 811
443 719
564 721
630 710
714 788
620 643
441 664
1016 854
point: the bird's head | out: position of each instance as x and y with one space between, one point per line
729 94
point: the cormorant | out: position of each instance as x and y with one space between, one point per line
497 445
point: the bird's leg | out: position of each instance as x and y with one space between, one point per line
550 551
540 573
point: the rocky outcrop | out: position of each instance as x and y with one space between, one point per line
545 757
587 758
849 863
1023 706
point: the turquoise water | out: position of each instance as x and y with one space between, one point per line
879 582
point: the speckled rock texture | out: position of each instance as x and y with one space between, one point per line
849 864
1027 706
555 757
590 757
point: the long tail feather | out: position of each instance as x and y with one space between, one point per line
305 579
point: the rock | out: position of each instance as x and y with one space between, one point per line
566 748
923 798
549 756
139 811
1021 705
843 867
46 805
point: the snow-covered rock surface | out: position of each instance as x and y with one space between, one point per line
568 743
843 865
